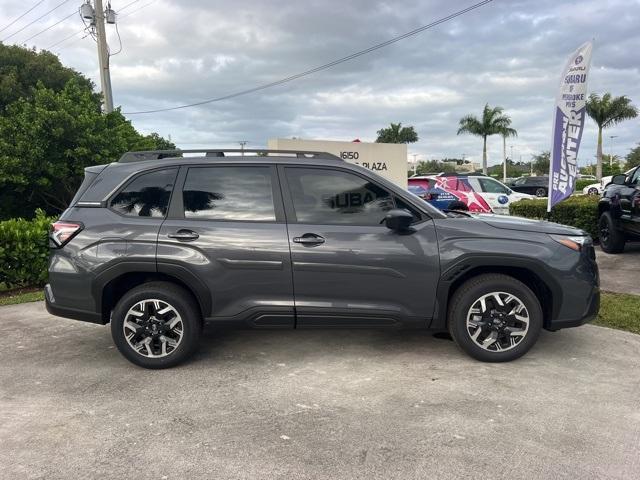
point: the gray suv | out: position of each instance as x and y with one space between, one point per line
159 243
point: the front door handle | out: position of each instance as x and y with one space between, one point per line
309 239
184 235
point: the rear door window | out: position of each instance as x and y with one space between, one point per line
231 193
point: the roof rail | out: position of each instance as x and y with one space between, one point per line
129 157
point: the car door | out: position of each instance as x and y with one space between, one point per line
348 268
497 195
226 234
630 201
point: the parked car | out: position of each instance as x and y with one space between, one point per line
619 210
598 188
446 192
158 245
419 191
538 186
580 176
593 189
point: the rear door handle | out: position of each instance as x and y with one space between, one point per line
309 239
184 235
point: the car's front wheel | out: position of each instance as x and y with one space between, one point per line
593 191
156 325
612 239
495 318
541 192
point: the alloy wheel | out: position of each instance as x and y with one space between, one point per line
153 328
498 321
541 192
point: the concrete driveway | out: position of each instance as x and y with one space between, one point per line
315 404
620 272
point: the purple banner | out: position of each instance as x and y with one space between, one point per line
568 124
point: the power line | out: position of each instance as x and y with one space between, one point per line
75 12
321 67
15 20
34 21
64 39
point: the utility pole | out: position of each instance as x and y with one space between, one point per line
97 15
103 57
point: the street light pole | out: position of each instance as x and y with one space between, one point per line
611 149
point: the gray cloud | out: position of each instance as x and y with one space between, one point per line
508 53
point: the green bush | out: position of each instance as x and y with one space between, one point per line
579 211
24 251
580 184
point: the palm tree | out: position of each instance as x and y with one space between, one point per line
607 112
396 133
493 122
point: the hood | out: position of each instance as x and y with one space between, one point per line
521 196
527 225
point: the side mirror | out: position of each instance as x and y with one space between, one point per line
398 220
619 179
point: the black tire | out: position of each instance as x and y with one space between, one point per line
612 239
541 192
593 191
181 301
469 293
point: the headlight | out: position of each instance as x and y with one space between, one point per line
574 242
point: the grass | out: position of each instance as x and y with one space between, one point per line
620 311
22 295
617 310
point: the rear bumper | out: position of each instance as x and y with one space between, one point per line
66 312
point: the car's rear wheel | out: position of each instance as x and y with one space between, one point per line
593 191
495 318
612 239
541 192
156 325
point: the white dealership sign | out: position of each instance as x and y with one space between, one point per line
386 159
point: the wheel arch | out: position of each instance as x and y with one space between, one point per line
111 290
540 283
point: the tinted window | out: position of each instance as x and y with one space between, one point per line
491 186
333 197
147 195
229 193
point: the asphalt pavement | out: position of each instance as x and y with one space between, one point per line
620 272
316 404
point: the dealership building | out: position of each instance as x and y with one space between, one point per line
386 159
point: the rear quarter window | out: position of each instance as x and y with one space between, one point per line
147 195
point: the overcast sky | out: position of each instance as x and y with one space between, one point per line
508 53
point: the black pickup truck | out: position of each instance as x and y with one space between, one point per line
619 211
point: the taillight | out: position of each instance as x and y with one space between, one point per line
62 232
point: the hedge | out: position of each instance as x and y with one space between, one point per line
579 211
24 251
580 184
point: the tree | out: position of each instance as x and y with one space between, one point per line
633 158
608 111
434 166
47 140
541 163
396 133
493 122
21 70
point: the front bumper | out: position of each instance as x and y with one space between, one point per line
590 313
